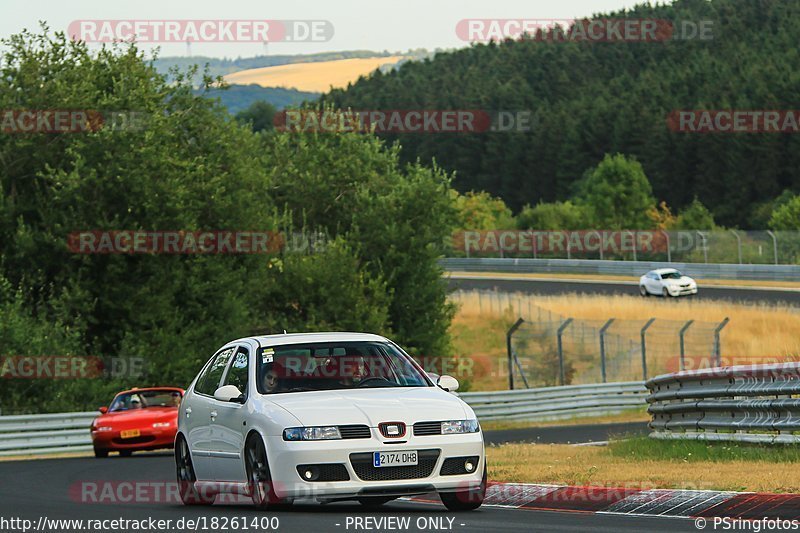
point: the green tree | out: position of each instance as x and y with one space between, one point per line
556 215
695 216
787 215
482 211
260 116
619 194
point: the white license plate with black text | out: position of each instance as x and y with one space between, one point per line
380 459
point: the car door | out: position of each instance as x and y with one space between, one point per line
654 283
229 419
198 408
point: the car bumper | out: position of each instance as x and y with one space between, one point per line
683 292
149 439
284 458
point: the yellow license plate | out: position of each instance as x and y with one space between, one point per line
130 433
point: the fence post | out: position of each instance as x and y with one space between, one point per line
561 329
644 348
603 347
633 234
738 244
510 332
569 255
533 241
717 347
705 245
774 245
669 248
683 352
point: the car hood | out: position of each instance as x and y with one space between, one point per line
682 281
150 414
371 406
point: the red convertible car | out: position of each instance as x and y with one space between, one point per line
137 420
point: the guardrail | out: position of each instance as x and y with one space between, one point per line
751 403
69 432
46 434
621 268
555 403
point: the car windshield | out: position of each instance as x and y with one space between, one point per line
671 275
330 366
146 398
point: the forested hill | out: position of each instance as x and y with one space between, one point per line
596 98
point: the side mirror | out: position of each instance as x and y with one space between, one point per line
229 393
103 410
448 383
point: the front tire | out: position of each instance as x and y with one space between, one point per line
665 293
643 291
186 476
467 500
100 453
259 478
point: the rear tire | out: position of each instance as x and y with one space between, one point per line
467 500
373 502
100 453
186 476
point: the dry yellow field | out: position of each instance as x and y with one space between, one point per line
596 466
755 334
312 77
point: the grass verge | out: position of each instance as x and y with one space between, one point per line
632 415
646 463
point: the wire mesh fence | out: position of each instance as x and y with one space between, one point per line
548 349
718 246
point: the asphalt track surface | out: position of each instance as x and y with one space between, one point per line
554 287
577 434
32 489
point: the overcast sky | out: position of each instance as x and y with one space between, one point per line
358 24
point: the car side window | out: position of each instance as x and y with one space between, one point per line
237 374
208 382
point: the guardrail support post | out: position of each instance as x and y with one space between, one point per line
603 347
644 347
738 244
683 351
509 334
774 245
717 347
561 329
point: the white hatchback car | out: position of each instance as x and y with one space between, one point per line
327 416
666 282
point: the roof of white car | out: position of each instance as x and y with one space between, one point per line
664 270
302 338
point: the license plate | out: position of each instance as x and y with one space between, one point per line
380 459
130 433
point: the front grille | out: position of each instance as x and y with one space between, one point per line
364 469
327 472
422 429
355 432
453 466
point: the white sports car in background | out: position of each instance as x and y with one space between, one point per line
328 416
666 282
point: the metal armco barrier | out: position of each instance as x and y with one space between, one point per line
69 432
621 268
750 403
45 434
554 403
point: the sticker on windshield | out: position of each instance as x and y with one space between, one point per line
267 355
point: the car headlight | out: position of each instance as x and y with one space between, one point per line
312 433
161 425
103 428
460 426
